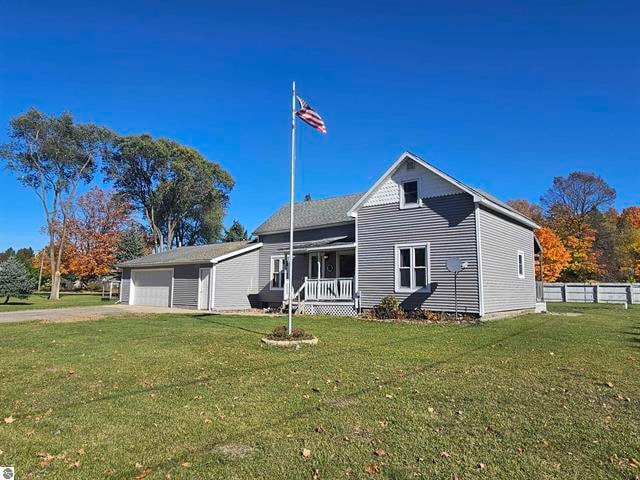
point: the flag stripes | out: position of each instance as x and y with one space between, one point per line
310 116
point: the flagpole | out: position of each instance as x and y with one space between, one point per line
293 171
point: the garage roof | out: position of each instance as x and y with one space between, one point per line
188 255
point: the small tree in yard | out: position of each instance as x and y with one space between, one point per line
15 280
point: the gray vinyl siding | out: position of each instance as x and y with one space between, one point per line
272 243
500 239
125 285
447 223
185 285
236 285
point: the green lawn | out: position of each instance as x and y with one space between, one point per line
197 396
42 301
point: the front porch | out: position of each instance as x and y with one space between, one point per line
324 277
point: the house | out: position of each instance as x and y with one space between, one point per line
351 251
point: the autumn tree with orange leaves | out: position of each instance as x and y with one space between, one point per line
93 233
555 255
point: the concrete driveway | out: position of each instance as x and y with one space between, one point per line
74 314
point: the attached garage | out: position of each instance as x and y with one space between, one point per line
222 276
151 287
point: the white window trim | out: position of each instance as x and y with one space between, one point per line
271 272
396 267
409 205
520 255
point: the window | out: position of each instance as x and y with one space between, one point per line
412 267
520 264
409 193
278 270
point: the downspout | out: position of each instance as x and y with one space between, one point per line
479 259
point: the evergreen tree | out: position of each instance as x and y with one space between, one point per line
131 245
26 256
236 233
15 280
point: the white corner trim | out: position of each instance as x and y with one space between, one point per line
212 287
479 259
236 252
173 276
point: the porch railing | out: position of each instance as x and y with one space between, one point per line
328 289
322 289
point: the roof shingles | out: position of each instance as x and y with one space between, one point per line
186 255
312 213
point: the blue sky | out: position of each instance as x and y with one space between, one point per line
502 95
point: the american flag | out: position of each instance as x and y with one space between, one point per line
310 116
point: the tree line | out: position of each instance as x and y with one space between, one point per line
584 238
180 196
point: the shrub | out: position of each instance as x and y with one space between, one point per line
280 333
389 307
94 285
430 316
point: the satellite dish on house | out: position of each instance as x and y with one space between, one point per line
455 265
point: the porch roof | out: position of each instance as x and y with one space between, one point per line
334 243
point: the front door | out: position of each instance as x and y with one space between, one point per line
204 288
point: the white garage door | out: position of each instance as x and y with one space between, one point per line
152 287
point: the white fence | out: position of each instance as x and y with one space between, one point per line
592 293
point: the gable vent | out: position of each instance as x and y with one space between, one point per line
411 165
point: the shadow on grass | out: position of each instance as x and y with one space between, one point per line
319 357
14 303
208 319
249 435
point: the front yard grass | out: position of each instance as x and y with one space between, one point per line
38 301
197 396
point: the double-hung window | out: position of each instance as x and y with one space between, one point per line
520 264
412 267
278 270
409 194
